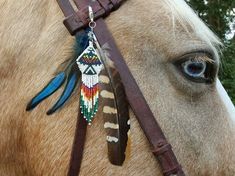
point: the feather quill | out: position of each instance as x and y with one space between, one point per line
115 110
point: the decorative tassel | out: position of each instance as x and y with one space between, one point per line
115 110
90 65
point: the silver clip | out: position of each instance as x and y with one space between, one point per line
91 14
92 23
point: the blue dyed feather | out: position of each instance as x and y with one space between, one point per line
81 43
48 90
68 90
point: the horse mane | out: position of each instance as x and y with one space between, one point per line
185 16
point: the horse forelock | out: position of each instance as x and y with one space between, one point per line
187 18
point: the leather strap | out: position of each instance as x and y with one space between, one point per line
77 20
74 21
78 146
66 7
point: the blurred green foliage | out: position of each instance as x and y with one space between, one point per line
220 17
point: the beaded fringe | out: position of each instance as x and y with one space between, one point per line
89 96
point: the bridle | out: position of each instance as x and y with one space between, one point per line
75 21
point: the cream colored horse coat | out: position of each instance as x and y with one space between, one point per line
151 35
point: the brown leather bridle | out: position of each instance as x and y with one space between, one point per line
76 21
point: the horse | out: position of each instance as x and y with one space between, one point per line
169 51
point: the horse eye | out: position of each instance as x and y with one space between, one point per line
197 70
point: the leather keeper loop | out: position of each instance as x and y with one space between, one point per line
106 5
162 149
172 171
116 4
163 152
73 24
79 20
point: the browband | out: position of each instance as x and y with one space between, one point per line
77 20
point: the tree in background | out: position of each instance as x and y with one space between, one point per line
220 16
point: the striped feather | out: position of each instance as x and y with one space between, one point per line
115 111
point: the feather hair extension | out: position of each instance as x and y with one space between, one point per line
70 75
115 110
72 81
48 90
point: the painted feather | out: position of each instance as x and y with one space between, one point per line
115 111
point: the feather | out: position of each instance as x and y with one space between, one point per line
48 90
68 90
74 75
81 43
71 77
115 110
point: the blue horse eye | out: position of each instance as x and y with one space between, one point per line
194 68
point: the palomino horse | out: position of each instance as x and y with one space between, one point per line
163 42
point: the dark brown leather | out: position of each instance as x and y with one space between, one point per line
78 146
74 22
66 7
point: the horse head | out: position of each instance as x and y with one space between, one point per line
173 56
